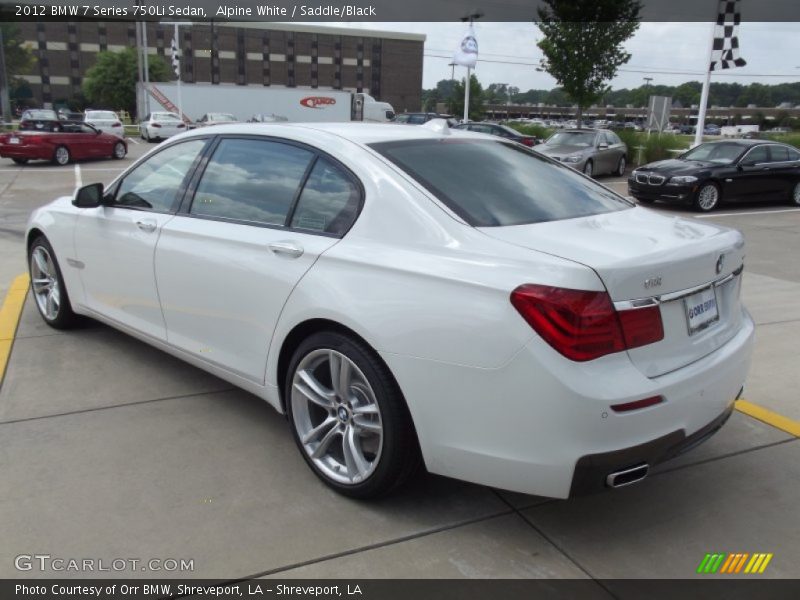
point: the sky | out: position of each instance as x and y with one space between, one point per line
658 50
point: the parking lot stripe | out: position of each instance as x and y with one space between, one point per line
9 318
770 418
78 178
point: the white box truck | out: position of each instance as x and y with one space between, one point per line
272 103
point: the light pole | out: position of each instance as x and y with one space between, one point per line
471 18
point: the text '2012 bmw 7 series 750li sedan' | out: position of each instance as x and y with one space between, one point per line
414 296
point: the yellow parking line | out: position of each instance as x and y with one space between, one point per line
769 417
9 318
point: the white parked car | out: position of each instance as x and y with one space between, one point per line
106 121
408 293
160 126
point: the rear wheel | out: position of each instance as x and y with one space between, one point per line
621 166
588 168
795 197
119 150
707 197
20 161
61 156
48 287
348 417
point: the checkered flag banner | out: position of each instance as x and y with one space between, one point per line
176 58
725 53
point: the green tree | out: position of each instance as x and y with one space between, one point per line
582 44
476 103
111 82
19 61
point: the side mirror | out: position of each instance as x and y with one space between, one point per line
602 146
89 196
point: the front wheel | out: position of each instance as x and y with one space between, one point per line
47 282
61 156
119 151
588 168
621 166
707 197
348 417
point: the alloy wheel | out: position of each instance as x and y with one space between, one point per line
796 194
587 170
44 279
62 155
119 150
336 416
707 197
621 166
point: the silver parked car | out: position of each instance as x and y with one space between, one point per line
592 151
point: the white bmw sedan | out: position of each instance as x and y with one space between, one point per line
414 295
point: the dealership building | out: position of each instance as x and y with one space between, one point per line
386 65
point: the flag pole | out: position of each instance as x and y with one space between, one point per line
701 115
466 95
179 73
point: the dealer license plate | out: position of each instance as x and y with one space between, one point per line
13 140
701 309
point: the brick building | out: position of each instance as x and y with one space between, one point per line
386 65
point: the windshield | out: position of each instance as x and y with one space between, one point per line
221 117
40 114
572 138
101 114
495 183
166 117
723 154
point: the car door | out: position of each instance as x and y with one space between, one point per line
260 215
605 155
783 169
751 179
115 243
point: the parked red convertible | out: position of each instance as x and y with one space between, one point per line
76 142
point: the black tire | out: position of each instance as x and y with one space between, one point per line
20 161
588 168
400 456
119 151
794 195
61 156
621 166
708 197
64 318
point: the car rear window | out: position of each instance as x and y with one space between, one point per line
101 114
40 114
496 183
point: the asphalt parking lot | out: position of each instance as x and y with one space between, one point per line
111 449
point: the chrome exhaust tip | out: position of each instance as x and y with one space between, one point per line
625 477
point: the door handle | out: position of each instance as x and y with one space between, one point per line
146 225
288 249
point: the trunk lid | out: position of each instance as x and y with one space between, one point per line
641 254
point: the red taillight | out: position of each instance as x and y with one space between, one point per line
641 326
117 124
155 125
584 325
528 142
637 404
581 325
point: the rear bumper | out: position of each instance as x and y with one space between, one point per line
543 425
29 152
592 471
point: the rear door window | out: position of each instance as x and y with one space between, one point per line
329 202
778 153
496 183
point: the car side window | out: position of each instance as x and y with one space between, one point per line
329 201
793 154
417 119
778 153
154 184
251 180
756 155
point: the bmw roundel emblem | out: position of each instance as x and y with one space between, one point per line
720 263
342 414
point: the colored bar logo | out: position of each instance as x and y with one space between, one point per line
734 563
